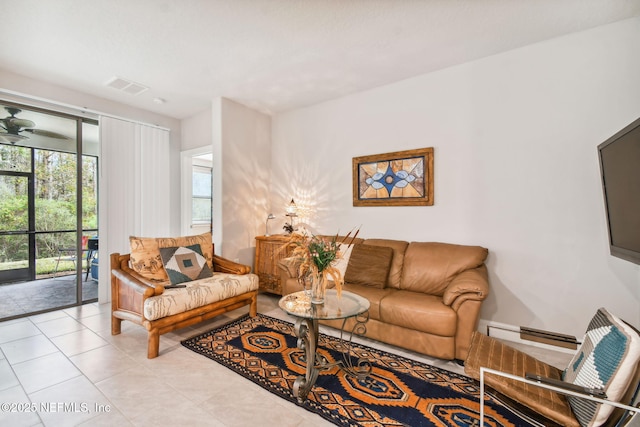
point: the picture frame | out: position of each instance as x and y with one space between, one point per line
400 178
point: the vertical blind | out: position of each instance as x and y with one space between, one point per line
134 187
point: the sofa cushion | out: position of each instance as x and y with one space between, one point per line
198 293
145 253
399 247
373 295
420 312
429 267
369 265
184 264
606 359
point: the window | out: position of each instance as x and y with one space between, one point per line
201 195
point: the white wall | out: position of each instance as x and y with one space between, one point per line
241 174
196 131
516 169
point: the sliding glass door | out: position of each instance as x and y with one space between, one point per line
48 209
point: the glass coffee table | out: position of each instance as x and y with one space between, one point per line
349 305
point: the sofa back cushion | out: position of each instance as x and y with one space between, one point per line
369 265
145 253
399 247
429 266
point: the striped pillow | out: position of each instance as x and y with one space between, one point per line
606 359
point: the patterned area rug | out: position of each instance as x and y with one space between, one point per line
399 391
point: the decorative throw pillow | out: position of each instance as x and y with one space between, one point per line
369 265
145 253
342 263
145 258
205 241
606 359
184 264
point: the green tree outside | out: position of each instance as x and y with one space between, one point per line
55 200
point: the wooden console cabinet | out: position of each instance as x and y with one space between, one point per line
268 254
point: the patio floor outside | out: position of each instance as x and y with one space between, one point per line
17 299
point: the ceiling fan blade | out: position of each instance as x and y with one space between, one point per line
19 123
47 133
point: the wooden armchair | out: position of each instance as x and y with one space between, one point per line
130 291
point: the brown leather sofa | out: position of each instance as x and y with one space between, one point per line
430 300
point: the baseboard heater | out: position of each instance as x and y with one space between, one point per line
546 337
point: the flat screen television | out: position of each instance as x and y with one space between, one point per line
620 171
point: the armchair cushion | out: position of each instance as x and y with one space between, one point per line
491 353
606 359
369 265
220 286
184 264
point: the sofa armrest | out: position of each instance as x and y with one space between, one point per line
223 265
129 290
468 285
124 279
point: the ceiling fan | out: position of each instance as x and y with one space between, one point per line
13 127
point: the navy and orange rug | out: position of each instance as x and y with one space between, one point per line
399 391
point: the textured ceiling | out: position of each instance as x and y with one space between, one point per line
268 54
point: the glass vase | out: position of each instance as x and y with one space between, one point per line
318 288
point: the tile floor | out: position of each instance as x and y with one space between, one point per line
69 365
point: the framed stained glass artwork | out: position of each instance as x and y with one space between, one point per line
401 178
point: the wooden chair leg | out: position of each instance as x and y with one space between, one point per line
116 325
253 307
153 347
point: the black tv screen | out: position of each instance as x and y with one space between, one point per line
620 170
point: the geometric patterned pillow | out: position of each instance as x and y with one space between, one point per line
606 359
184 264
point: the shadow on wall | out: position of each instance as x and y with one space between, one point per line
318 187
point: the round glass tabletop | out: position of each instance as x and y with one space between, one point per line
348 305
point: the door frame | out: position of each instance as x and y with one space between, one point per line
29 273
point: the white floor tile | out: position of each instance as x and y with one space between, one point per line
61 326
7 378
83 311
27 348
14 330
138 391
98 323
78 342
45 371
103 362
19 412
71 402
45 317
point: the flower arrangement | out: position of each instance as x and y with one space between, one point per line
318 256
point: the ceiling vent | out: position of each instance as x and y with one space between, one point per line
127 86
